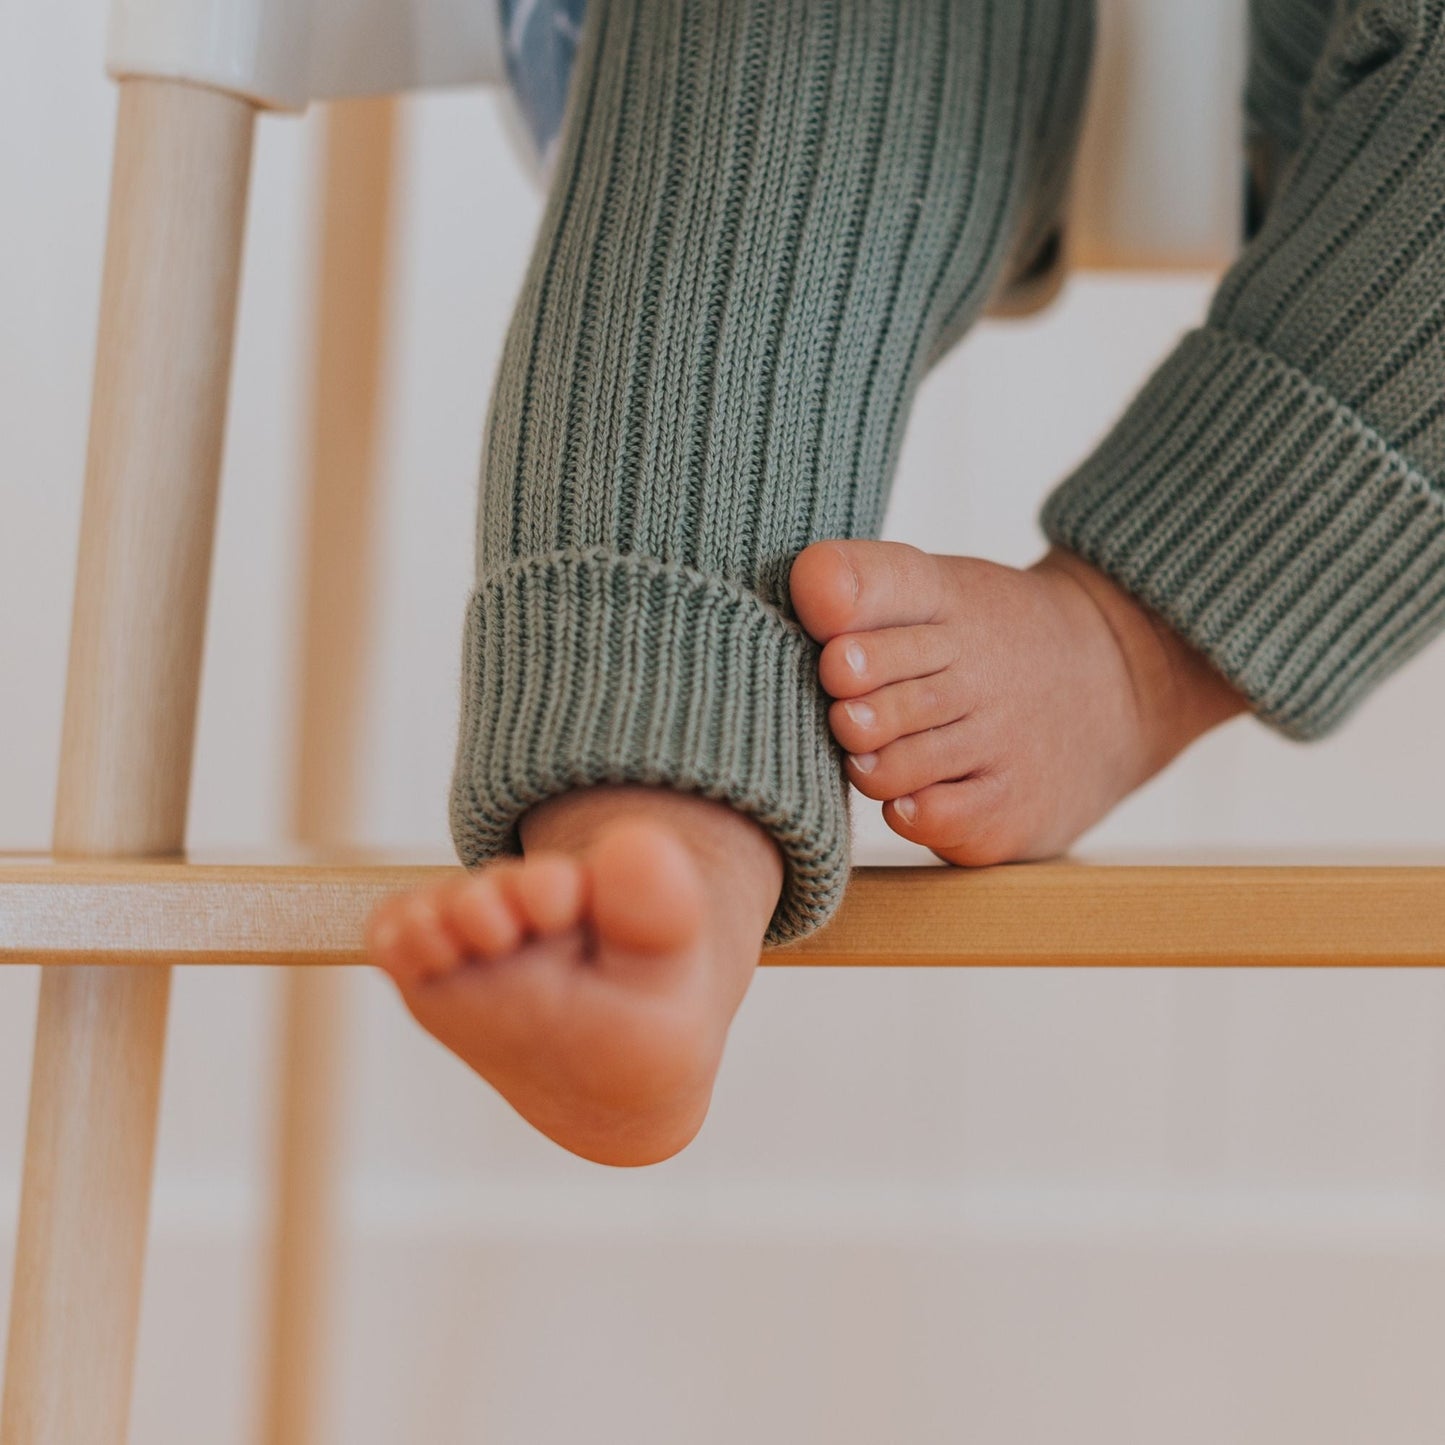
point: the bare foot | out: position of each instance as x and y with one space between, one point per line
997 713
593 981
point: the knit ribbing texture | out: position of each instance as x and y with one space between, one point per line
1286 40
768 218
1277 491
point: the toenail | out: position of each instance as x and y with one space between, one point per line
907 808
856 659
861 713
865 762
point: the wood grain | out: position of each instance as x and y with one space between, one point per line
352 300
1031 915
168 303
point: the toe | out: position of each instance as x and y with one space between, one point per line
915 762
857 663
964 822
865 724
549 890
824 589
383 934
848 586
423 948
479 914
647 895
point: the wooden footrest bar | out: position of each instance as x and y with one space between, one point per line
1040 914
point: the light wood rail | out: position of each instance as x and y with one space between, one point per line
1057 914
348 407
163 355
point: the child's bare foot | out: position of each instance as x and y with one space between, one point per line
593 981
997 713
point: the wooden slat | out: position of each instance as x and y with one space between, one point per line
1041 914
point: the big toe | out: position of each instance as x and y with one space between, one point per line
848 586
647 893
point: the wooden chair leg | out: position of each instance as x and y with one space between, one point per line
168 302
305 1207
346 408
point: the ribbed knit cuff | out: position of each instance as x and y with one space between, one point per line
582 668
1267 524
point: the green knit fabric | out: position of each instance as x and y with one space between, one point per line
1286 40
768 218
1275 492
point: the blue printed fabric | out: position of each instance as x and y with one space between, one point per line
541 46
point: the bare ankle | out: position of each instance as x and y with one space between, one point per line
718 833
1178 693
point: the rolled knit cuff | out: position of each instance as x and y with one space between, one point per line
582 668
1266 523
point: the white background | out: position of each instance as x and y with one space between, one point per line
1091 1207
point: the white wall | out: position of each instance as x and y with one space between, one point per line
1100 1207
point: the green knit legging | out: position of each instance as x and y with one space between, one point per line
768 218
1276 493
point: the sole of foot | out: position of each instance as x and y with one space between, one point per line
592 982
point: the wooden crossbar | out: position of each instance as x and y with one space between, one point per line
1054 914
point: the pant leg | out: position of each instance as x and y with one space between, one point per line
1286 41
1277 491
767 218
